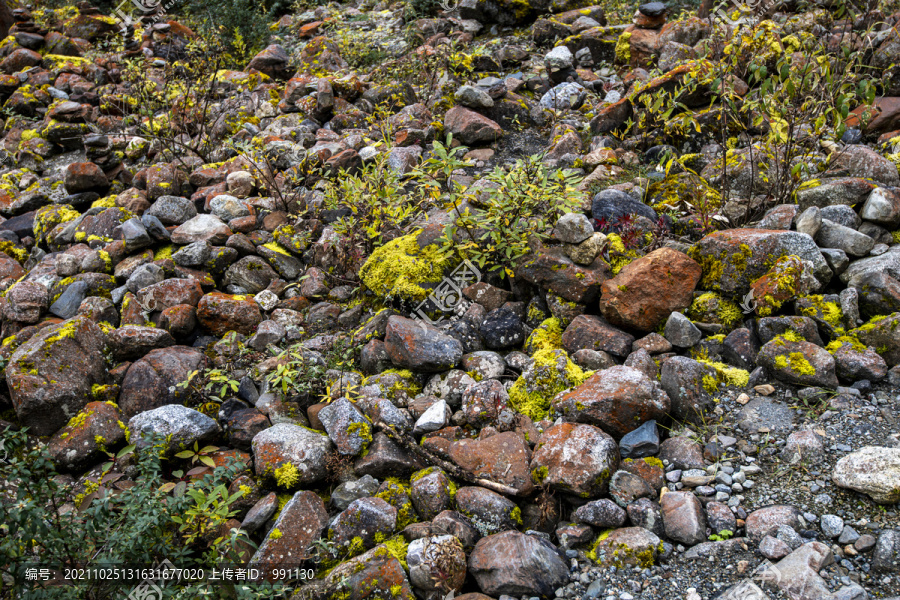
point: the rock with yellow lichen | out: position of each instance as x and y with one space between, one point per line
732 259
51 376
798 362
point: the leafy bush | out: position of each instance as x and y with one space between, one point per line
519 204
137 525
243 25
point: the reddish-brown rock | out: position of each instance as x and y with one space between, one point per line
577 459
618 400
221 313
647 290
469 127
503 458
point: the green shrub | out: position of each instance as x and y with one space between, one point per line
135 526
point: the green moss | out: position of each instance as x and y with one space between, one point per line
540 474
399 268
592 553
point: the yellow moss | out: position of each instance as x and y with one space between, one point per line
623 48
108 202
795 362
592 553
830 312
275 533
398 268
516 515
838 343
11 250
398 547
287 475
545 381
546 336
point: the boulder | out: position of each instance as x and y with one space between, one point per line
617 400
517 564
576 459
647 290
872 470
51 376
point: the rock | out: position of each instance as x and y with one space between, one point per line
766 414
564 96
51 376
593 333
470 127
386 459
603 513
131 342
573 228
681 332
685 382
365 519
373 575
80 444
831 525
617 400
273 61
502 329
260 513
773 548
886 558
431 492
576 459
720 518
872 470
552 270
302 521
152 381
626 487
766 521
734 258
883 334
202 228
643 441
809 221
862 161
834 235
437 564
683 517
414 345
473 97
854 363
798 573
436 417
612 205
634 546
25 302
647 290
502 458
745 590
347 426
85 177
682 452
560 58
221 313
804 446
304 448
517 564
798 363
882 207
488 511
178 427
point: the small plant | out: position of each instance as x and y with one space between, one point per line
723 535
201 455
